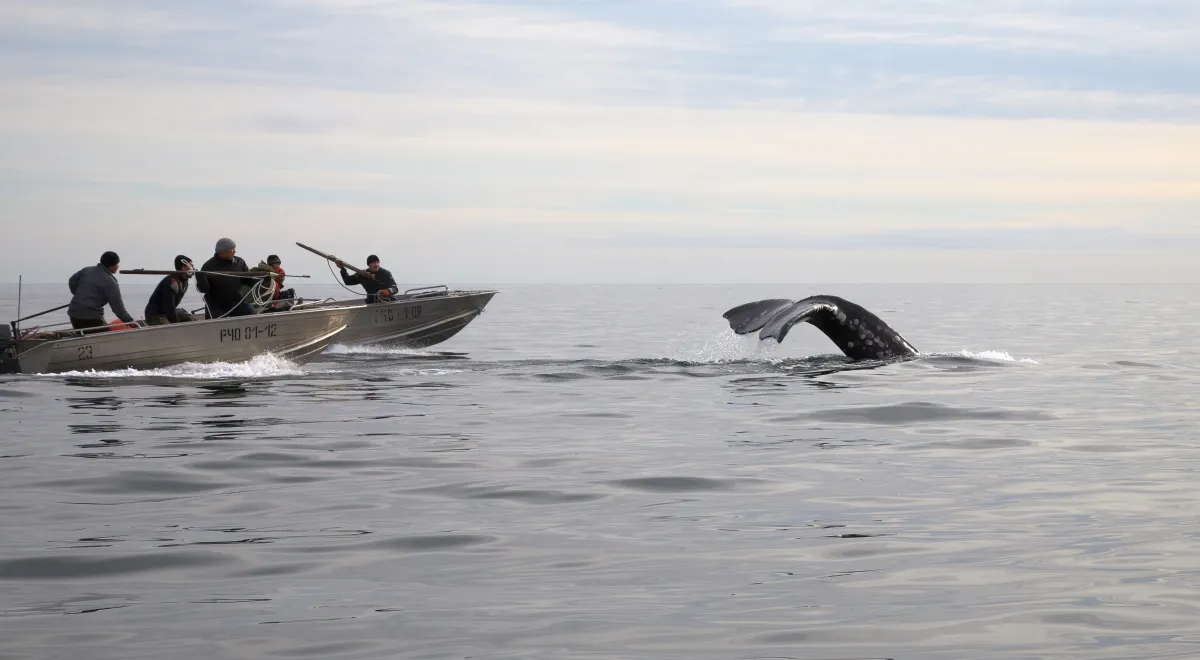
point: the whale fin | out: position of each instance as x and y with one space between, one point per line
856 331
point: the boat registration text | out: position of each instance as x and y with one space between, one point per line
391 314
248 332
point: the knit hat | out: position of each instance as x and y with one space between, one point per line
109 259
180 260
372 259
225 244
273 260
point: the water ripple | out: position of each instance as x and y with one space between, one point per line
64 567
590 472
914 412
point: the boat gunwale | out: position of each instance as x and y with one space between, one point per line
446 295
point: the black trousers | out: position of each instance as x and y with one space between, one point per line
160 319
243 309
81 324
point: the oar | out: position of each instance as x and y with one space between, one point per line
34 316
337 261
16 325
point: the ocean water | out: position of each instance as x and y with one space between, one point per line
607 472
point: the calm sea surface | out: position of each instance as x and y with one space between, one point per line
607 472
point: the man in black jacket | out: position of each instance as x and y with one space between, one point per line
377 282
224 295
91 289
163 307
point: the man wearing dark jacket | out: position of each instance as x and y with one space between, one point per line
224 296
91 289
377 282
163 307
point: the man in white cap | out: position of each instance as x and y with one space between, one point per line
224 296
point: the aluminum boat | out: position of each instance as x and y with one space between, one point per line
298 335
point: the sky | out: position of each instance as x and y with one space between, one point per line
670 141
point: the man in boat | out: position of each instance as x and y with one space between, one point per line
273 265
91 289
223 295
377 282
163 307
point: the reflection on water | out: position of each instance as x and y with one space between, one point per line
629 482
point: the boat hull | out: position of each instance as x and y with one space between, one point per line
298 336
414 321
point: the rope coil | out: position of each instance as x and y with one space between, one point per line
263 292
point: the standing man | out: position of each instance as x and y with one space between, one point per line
377 282
163 307
223 295
91 289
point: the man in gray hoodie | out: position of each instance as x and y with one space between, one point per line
92 288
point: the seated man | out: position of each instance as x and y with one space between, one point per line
378 282
272 265
163 306
91 289
224 295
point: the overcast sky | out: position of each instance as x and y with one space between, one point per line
608 141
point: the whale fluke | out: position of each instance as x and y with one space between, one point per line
860 334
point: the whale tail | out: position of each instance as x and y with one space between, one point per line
752 316
856 331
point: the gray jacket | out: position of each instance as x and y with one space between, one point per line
92 288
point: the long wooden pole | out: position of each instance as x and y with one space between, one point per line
143 271
336 260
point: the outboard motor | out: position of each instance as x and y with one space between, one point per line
8 352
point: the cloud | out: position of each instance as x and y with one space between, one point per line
292 123
491 22
1021 25
1077 239
75 15
749 158
1019 97
867 56
597 140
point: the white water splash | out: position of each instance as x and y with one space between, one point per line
724 348
260 366
1001 356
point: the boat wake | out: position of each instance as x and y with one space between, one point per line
390 351
723 355
342 349
262 366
